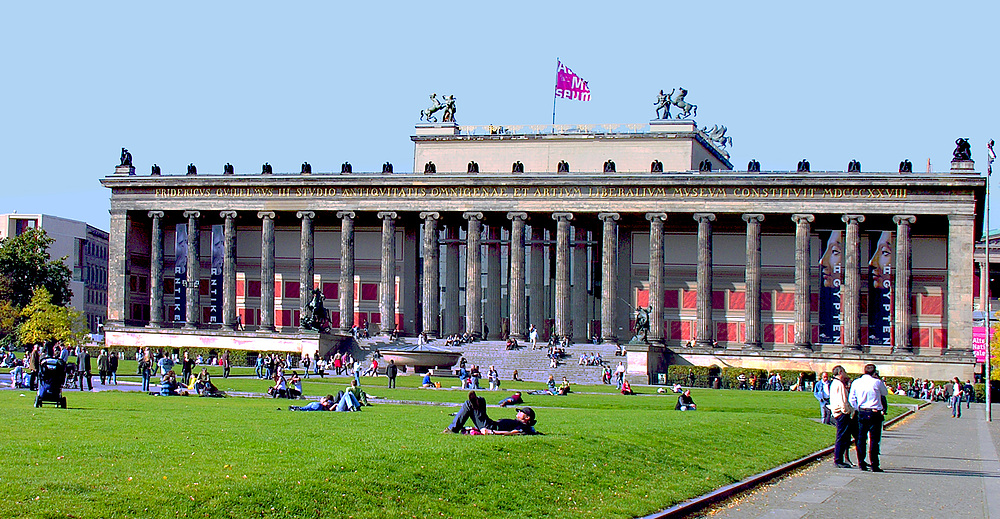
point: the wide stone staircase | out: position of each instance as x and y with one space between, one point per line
530 364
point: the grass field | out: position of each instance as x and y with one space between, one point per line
117 454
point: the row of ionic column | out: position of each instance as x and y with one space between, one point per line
850 294
387 294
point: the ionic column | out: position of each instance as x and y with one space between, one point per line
515 283
903 341
803 325
850 296
752 280
431 288
156 272
306 260
266 271
117 284
473 274
346 288
387 283
193 296
536 278
579 292
609 274
492 316
562 273
656 275
229 270
961 232
452 274
705 332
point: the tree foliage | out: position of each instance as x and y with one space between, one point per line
25 264
47 323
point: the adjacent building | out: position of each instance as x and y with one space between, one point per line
580 231
85 249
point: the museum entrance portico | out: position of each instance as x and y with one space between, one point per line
748 268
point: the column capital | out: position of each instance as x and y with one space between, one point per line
799 218
562 216
516 215
472 215
155 214
387 215
345 214
702 217
904 219
305 214
753 216
853 218
656 217
192 214
227 214
961 217
266 214
430 215
608 216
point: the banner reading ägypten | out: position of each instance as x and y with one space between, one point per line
570 85
831 270
880 292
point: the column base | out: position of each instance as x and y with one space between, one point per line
705 344
265 329
852 349
802 346
155 325
190 326
753 346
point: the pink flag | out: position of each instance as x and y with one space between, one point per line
571 86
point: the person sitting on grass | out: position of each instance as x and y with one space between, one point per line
325 404
347 403
359 394
169 386
564 387
514 399
627 388
516 378
550 385
280 387
203 383
296 390
685 402
427 380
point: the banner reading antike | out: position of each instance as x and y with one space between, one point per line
180 272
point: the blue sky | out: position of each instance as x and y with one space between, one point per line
328 82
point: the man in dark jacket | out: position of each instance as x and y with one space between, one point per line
390 373
83 369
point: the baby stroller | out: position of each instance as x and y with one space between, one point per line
52 375
71 382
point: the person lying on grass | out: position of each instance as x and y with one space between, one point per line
475 408
325 404
512 400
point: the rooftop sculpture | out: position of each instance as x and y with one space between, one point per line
447 109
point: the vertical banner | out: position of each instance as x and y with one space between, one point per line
215 282
831 269
880 289
979 343
180 272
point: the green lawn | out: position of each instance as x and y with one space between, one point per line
602 455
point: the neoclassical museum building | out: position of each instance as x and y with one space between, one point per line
567 228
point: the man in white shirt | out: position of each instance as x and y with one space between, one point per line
841 411
868 395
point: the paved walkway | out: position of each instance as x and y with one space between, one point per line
935 467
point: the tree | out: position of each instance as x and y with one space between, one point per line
47 323
25 264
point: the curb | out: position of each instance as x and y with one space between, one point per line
701 502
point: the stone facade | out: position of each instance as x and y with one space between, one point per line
733 257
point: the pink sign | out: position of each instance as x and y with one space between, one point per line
979 343
571 86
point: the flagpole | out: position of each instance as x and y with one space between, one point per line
990 156
554 94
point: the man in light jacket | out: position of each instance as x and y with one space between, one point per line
841 410
822 393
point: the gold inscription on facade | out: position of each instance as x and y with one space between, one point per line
633 192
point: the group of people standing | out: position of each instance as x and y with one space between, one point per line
857 408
